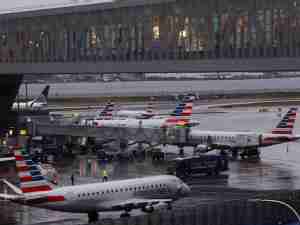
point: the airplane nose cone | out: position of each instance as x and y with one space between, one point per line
185 190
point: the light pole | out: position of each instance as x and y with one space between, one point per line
278 202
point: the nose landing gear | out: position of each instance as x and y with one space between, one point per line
93 217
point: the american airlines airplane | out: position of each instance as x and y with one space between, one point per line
246 142
146 114
122 195
36 104
180 117
87 119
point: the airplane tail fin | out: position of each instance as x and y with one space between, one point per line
286 125
43 97
107 112
29 173
182 114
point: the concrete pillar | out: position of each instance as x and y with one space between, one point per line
9 86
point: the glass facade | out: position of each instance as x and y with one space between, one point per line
180 30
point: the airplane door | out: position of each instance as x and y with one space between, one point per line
247 140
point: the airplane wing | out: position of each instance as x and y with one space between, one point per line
6 159
135 203
10 197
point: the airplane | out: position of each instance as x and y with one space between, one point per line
145 114
105 114
121 195
6 159
179 117
246 142
36 104
84 118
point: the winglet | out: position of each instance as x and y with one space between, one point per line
12 187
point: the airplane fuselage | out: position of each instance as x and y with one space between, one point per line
28 106
111 196
133 114
131 123
238 140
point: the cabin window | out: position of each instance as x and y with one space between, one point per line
103 192
130 189
116 190
121 190
126 189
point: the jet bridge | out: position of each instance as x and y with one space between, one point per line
165 135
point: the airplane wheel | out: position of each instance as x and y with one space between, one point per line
234 154
148 209
93 217
243 155
125 215
169 206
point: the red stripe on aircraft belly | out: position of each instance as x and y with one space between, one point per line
36 189
55 198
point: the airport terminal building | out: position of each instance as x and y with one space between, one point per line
126 30
141 31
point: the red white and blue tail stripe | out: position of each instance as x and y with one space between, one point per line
31 178
286 125
182 114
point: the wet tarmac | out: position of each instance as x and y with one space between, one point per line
279 168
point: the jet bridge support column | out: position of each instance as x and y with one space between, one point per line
9 86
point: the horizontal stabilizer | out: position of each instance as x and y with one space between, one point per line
10 197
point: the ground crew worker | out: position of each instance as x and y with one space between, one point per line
72 178
104 175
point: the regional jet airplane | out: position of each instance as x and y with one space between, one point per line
122 195
180 116
146 114
36 104
246 142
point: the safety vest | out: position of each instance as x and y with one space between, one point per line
104 173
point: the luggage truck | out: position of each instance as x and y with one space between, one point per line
187 167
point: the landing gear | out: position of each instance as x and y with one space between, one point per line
169 206
93 217
251 153
148 209
235 154
181 150
126 213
